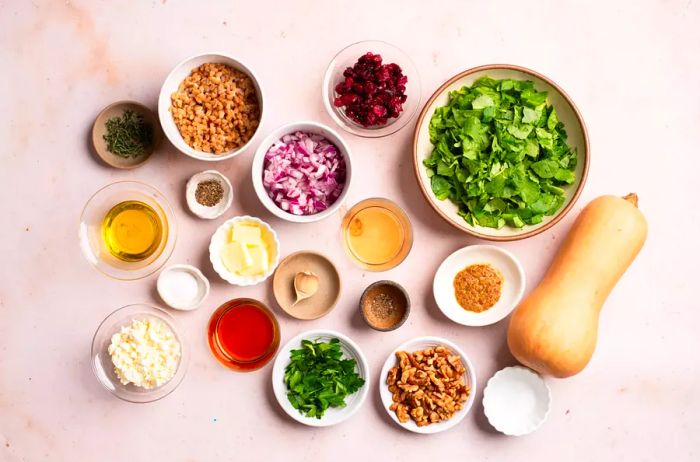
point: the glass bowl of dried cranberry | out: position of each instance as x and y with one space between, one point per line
371 89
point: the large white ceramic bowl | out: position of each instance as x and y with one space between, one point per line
332 416
421 343
567 113
170 86
516 401
222 235
499 259
259 163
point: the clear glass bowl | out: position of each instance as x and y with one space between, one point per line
395 213
90 232
102 362
347 58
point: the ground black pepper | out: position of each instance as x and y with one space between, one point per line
209 193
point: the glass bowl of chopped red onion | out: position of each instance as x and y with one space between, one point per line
371 89
301 172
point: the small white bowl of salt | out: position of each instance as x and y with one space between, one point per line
182 287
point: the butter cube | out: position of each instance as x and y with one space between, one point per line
249 234
236 257
260 261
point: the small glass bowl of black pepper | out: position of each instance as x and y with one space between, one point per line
385 305
209 194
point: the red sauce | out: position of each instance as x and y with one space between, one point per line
243 334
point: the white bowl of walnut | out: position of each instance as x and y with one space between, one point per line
427 385
210 107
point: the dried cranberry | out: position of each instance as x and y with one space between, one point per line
371 92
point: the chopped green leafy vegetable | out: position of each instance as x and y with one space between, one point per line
500 154
318 377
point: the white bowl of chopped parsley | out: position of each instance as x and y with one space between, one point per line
320 378
501 152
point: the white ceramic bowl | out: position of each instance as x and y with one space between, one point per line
421 343
170 86
202 211
221 236
259 161
567 113
516 401
500 259
332 416
172 299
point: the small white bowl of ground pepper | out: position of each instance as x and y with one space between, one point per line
209 194
385 306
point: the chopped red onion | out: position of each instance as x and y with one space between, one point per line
303 173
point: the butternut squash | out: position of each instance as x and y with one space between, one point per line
554 330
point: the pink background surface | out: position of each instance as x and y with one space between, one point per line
631 67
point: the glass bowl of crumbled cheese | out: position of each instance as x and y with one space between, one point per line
139 354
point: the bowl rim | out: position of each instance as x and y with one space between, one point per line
353 127
385 282
417 165
319 255
470 373
179 142
508 255
257 167
173 324
281 362
167 208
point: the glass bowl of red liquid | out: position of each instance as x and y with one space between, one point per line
243 334
375 98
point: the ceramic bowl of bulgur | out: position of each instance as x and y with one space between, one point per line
211 106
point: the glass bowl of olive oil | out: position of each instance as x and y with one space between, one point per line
127 230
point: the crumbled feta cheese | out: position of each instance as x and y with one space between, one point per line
145 353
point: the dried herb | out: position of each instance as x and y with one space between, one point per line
209 193
129 135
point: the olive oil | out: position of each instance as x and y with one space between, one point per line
377 234
132 231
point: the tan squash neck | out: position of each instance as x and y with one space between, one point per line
632 198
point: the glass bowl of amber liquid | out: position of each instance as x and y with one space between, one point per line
377 234
127 230
243 334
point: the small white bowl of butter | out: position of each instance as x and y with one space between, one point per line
244 251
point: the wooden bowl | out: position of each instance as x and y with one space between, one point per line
568 114
117 110
319 304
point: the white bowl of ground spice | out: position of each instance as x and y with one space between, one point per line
210 106
209 194
479 285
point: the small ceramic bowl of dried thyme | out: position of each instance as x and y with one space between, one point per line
385 305
209 194
125 134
